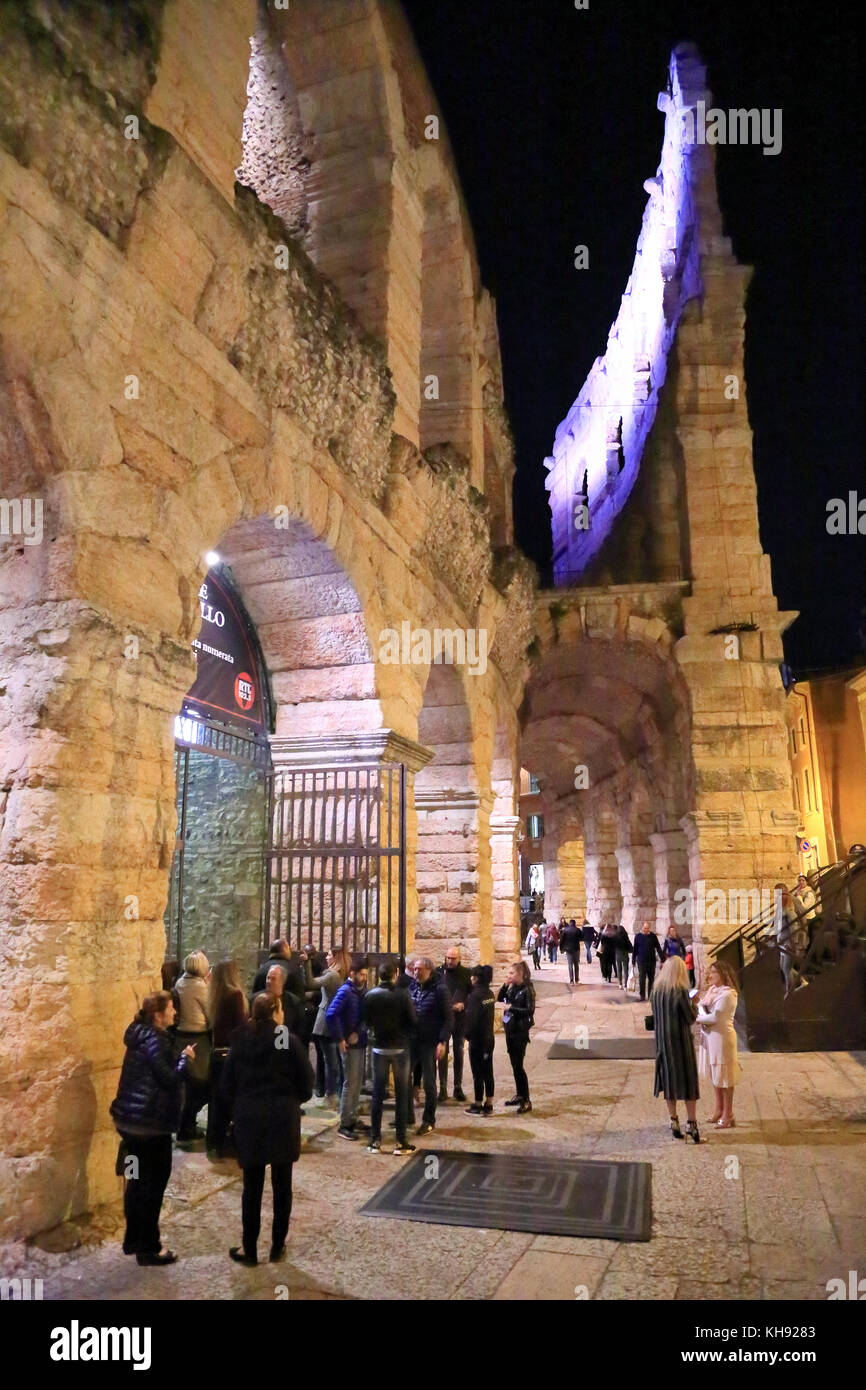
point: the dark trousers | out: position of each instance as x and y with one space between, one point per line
551 951
424 1060
330 1057
481 1064
621 960
517 1044
588 952
251 1204
382 1065
144 1191
454 1043
646 974
535 961
218 1118
573 958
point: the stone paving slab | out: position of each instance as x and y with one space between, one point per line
771 1209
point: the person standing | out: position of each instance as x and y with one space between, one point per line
785 926
277 986
621 955
690 964
267 1078
145 1112
673 944
455 978
531 945
193 1028
607 950
588 934
645 952
435 1021
344 1018
338 966
518 996
227 1007
481 1039
552 936
569 941
676 1075
717 1057
806 904
390 1016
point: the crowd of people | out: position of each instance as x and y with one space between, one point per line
630 964
202 1041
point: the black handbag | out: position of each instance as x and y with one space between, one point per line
649 1022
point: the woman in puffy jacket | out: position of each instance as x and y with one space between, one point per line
337 973
145 1113
518 996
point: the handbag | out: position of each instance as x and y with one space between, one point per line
649 1023
631 983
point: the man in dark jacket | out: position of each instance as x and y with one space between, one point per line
390 1016
645 952
480 1009
435 1021
455 978
588 934
280 953
569 944
345 1025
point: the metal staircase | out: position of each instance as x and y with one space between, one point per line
826 1012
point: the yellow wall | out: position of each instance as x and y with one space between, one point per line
827 751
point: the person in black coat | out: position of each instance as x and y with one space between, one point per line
481 1039
455 978
518 996
588 934
676 1076
644 953
267 1078
389 1014
569 944
146 1111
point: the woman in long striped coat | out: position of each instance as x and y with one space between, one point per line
676 1065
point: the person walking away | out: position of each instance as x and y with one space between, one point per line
227 1007
718 1062
785 927
607 950
532 944
552 942
518 996
455 978
569 941
345 1024
481 1039
673 944
645 952
193 1028
588 934
621 955
390 1017
690 964
676 1074
266 1080
145 1112
435 1022
337 968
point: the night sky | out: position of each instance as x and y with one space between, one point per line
552 116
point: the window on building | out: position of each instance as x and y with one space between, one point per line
533 784
808 790
536 879
535 827
793 739
796 790
802 733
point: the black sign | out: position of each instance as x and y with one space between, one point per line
228 682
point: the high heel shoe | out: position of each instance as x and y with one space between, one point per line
675 1128
714 1119
726 1124
693 1132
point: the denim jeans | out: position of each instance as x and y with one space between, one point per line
353 1063
573 958
551 951
588 953
621 963
332 1058
382 1064
424 1055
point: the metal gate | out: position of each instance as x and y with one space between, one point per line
336 862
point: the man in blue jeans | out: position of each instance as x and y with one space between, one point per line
345 1025
435 1022
390 1017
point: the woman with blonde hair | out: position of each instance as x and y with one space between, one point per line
227 1008
339 965
673 1015
718 1060
193 1027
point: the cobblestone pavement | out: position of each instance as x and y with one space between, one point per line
772 1209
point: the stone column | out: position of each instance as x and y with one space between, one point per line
637 885
672 877
505 935
450 824
603 897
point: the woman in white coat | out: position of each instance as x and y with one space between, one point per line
717 1062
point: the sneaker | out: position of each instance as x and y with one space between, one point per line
240 1258
374 1146
487 1108
459 1096
403 1150
346 1133
515 1100
425 1129
473 1110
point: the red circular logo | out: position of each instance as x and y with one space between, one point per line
245 691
